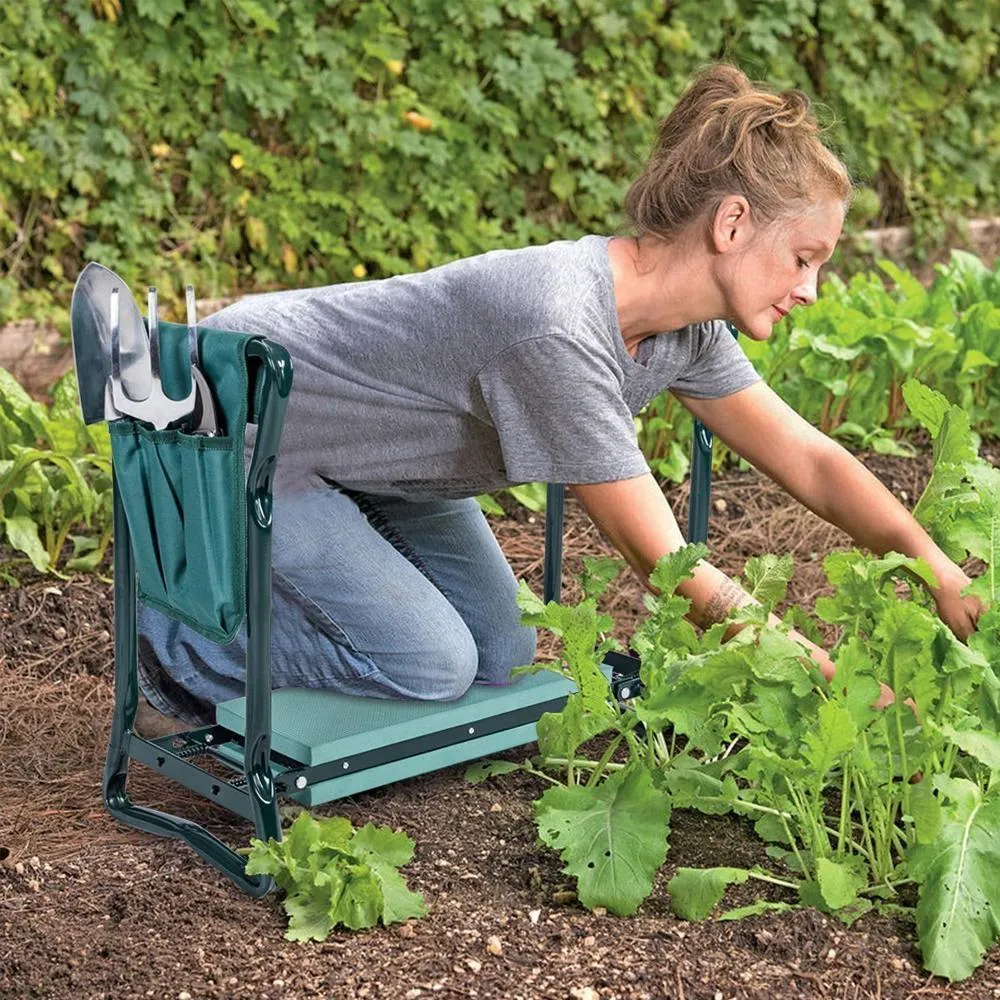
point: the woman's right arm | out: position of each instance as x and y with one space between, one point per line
634 516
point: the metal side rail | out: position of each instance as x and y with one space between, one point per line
257 800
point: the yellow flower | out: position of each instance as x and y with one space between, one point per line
418 121
395 66
236 161
359 270
161 150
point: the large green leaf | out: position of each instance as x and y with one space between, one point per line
768 577
612 837
928 405
695 892
833 736
839 882
958 913
384 851
22 535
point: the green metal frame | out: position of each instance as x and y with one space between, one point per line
252 793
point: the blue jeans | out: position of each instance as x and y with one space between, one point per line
371 596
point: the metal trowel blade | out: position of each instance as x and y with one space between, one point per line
90 325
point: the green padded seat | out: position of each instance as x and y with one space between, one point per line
370 742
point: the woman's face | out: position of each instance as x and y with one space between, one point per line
777 268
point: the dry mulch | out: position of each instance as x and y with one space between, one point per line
89 908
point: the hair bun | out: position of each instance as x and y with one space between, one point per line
794 109
726 135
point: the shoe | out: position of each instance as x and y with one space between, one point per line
154 725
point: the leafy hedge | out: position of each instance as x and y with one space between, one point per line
257 143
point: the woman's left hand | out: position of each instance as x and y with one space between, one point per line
959 613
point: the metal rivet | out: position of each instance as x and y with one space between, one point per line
301 782
209 738
472 729
625 693
346 765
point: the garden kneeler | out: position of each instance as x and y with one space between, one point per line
192 539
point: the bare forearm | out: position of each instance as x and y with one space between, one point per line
853 499
636 519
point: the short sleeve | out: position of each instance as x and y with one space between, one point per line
718 366
558 410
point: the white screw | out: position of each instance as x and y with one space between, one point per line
300 781
209 738
625 693
346 765
472 729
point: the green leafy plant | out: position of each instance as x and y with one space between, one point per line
55 479
854 803
336 876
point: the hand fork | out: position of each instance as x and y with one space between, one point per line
157 408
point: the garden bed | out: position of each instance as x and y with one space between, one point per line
89 908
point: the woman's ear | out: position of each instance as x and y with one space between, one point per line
732 227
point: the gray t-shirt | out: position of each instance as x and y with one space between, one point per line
504 368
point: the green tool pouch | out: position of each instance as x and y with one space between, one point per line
185 495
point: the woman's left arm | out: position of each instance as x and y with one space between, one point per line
758 425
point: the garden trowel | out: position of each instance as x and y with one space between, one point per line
90 324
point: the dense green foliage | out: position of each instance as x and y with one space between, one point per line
333 875
55 478
256 143
853 802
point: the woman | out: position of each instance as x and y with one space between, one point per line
416 393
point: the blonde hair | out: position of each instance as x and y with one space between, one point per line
729 136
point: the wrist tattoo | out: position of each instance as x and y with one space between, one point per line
728 596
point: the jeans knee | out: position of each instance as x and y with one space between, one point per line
502 652
447 670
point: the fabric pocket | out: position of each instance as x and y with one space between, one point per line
185 503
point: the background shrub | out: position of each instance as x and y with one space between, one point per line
263 143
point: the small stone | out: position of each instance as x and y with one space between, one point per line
496 808
59 634
533 915
718 995
34 862
183 995
831 954
494 945
584 993
599 911
19 868
406 930
278 984
414 993
589 941
233 980
720 505
474 964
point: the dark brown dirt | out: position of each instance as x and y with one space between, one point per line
91 909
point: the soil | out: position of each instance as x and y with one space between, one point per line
92 909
